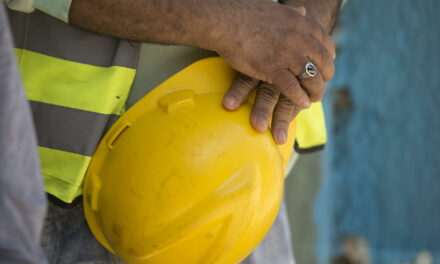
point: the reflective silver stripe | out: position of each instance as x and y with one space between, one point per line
44 34
69 129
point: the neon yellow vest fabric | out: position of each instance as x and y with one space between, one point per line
75 97
77 83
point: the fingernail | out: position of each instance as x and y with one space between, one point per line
260 123
281 136
230 101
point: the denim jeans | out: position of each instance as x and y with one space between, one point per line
68 240
276 248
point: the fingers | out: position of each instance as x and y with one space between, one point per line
283 114
315 52
321 57
287 84
239 91
269 103
265 101
314 87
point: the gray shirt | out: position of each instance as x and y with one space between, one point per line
22 199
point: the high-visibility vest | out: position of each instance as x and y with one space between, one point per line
77 83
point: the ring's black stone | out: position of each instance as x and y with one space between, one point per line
311 69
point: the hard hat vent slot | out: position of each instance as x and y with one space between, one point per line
174 100
117 131
96 187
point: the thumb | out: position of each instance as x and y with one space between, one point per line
300 10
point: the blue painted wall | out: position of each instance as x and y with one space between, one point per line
382 162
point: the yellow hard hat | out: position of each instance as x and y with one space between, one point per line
180 180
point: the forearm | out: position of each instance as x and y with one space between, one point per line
324 12
201 23
160 21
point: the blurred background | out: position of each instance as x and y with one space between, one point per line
373 194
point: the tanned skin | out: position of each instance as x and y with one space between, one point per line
269 102
322 11
261 39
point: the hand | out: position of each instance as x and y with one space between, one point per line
268 103
275 51
264 40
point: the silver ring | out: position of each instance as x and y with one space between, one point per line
309 71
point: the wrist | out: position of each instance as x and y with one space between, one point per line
324 12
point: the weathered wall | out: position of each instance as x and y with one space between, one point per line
382 165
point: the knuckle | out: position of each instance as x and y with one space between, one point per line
267 93
332 46
242 77
292 87
323 55
265 101
297 93
314 85
332 70
285 107
280 123
263 106
261 111
327 67
316 82
329 41
326 56
315 88
328 71
244 82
